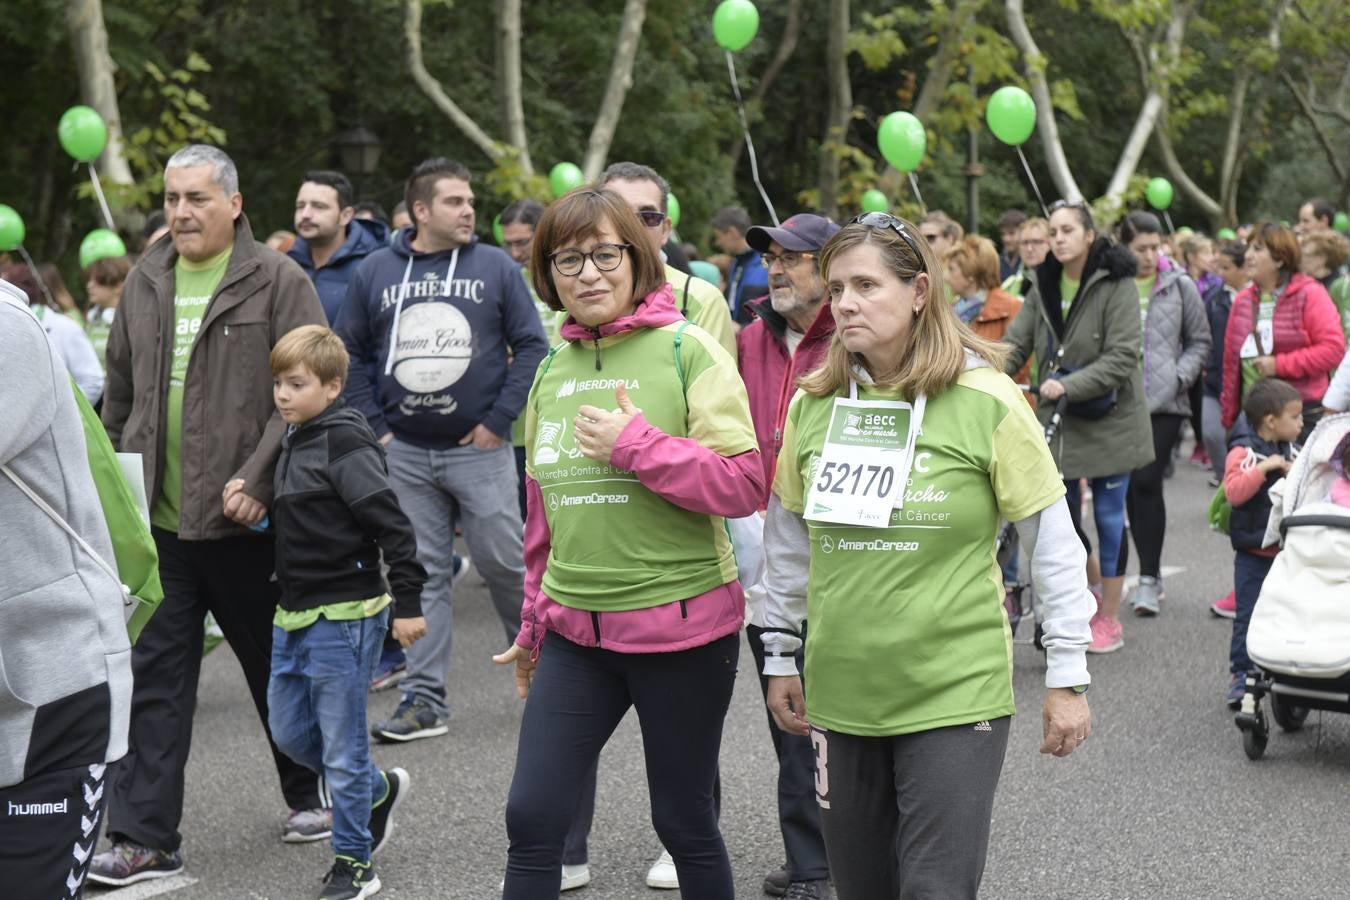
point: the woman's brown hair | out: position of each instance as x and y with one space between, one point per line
578 215
934 352
1282 244
977 259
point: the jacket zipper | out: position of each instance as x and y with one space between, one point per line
684 610
595 336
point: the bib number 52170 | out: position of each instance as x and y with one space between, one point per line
856 479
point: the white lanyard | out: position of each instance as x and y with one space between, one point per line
403 292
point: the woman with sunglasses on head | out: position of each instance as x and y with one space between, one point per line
1283 325
639 443
1081 321
900 455
1176 343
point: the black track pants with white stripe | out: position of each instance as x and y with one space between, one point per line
49 826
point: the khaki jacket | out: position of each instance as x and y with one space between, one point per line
230 427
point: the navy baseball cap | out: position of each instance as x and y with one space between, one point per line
803 232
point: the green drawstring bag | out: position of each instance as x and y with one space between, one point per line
1220 511
134 551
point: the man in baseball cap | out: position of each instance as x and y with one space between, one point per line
787 339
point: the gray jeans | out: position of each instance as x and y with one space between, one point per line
478 487
1216 440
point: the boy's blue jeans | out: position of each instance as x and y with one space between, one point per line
1249 574
317 709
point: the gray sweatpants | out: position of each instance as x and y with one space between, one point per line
1215 438
907 817
433 486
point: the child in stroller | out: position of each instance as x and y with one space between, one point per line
1299 636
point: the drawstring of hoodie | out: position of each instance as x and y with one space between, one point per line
595 336
403 293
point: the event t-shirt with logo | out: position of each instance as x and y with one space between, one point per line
908 631
615 545
194 285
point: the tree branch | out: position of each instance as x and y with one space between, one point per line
1045 112
508 66
412 30
840 108
89 40
1310 114
620 80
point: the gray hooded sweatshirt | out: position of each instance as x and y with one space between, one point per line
65 662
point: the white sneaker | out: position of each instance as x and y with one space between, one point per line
575 876
662 873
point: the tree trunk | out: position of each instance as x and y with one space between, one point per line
412 30
1045 112
508 80
787 44
840 108
89 39
620 80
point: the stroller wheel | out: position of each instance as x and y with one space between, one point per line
1286 715
1255 733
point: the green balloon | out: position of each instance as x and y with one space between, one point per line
1159 193
902 140
735 23
673 209
83 133
100 244
563 177
1011 115
11 228
497 230
1341 223
1226 234
874 200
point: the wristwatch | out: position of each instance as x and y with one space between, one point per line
1079 688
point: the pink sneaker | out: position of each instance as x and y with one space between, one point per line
1225 608
1107 635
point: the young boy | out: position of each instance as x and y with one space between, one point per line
334 512
1274 411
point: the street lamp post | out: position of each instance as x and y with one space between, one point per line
359 151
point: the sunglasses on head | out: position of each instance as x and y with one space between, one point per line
886 220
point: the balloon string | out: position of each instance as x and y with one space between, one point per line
102 201
749 144
37 276
1032 178
914 185
1167 217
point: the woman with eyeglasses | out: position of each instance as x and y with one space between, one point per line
1283 325
1033 243
900 455
1081 321
1175 345
639 443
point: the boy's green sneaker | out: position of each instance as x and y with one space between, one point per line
350 879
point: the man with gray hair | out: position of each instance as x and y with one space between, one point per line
190 389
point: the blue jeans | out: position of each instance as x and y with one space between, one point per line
317 704
1108 511
1249 573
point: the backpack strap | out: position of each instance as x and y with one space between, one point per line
679 363
684 305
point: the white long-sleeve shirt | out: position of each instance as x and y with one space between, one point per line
72 345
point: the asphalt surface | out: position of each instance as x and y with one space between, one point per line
1160 803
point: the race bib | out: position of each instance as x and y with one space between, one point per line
1265 330
861 473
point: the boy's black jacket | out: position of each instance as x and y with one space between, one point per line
334 511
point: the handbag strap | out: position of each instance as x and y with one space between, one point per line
56 517
1256 323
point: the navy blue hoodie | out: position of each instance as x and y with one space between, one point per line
450 370
364 236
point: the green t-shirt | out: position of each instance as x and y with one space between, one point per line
97 326
1145 286
1340 295
1265 315
194 285
1068 289
615 544
908 631
350 611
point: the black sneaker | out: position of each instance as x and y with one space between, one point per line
776 882
412 720
809 890
350 880
127 863
382 815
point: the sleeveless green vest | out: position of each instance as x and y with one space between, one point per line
615 544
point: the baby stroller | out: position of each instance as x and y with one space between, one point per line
1020 602
1299 637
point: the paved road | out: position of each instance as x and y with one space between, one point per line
1161 803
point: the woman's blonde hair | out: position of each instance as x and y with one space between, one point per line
934 348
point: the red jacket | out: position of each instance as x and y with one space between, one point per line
1306 332
771 377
